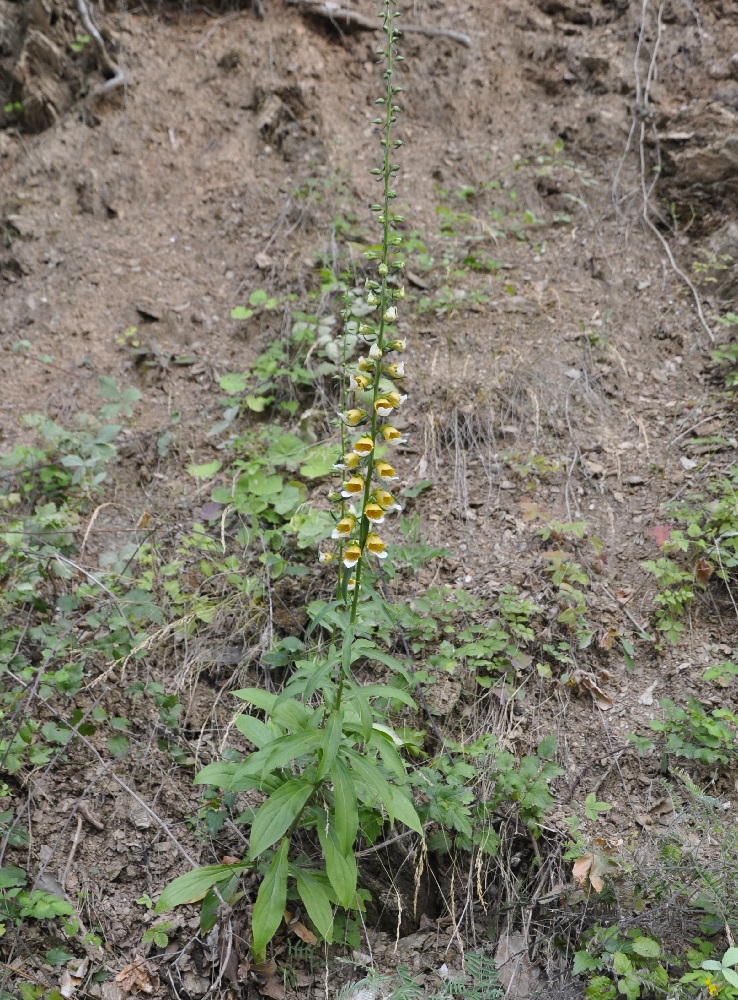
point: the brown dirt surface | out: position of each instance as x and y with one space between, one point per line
560 370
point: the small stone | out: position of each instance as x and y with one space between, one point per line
687 463
635 480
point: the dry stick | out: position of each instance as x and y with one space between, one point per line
72 851
353 19
643 112
117 77
667 249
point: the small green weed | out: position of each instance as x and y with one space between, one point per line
694 733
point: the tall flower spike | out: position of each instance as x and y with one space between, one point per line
368 376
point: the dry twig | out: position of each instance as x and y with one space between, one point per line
353 19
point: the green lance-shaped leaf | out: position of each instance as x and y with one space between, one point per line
314 895
346 814
270 901
278 814
341 868
192 886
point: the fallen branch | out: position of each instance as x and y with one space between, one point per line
353 19
116 77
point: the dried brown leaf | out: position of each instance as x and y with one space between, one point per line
703 570
591 869
137 978
581 869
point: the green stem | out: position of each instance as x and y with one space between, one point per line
384 300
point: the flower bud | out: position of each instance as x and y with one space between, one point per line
383 269
375 352
385 500
353 417
396 370
396 345
391 434
390 314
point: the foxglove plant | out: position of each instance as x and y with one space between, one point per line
328 762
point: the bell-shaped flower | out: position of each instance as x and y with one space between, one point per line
357 383
391 434
326 557
376 546
364 445
388 402
372 300
366 364
351 555
375 352
353 487
396 370
349 461
344 527
385 471
373 512
385 500
353 417
399 293
390 314
396 345
351 584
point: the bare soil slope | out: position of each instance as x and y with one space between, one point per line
561 363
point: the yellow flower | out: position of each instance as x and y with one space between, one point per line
396 345
395 370
349 461
326 557
365 364
357 383
385 500
375 352
344 527
354 417
364 445
391 314
351 584
374 513
353 487
391 434
351 556
388 402
385 471
376 546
